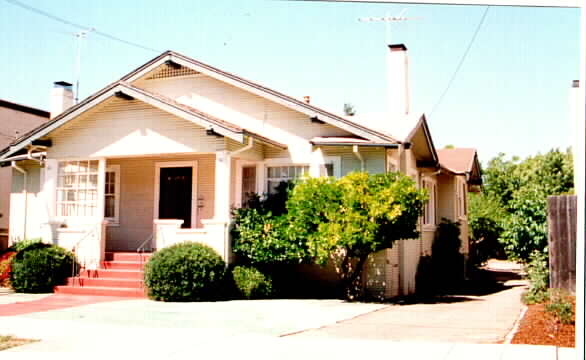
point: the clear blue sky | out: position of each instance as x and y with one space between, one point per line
511 94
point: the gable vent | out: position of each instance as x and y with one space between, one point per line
168 71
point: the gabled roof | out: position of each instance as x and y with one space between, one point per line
128 91
461 161
420 139
257 89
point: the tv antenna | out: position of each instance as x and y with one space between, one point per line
387 19
79 36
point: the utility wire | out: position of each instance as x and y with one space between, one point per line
438 103
79 26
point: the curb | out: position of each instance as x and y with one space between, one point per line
511 334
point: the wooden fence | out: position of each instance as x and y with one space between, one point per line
561 221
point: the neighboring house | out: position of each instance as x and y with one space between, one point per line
15 120
162 155
460 174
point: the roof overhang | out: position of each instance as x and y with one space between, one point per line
127 91
349 141
421 143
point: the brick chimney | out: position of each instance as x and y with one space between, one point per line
61 97
398 79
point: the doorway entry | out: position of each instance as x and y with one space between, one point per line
175 192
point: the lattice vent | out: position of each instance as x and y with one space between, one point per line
167 71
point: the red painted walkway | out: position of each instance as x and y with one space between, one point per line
54 302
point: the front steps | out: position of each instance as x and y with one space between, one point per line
121 274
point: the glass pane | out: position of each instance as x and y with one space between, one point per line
109 207
93 183
329 169
94 166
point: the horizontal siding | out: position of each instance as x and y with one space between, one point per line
137 191
120 128
374 158
242 108
257 153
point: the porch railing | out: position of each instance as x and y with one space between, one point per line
75 270
142 249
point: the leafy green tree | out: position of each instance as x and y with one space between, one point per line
353 217
486 216
515 198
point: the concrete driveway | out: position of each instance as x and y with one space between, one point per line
464 319
485 317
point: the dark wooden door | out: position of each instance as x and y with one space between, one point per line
175 194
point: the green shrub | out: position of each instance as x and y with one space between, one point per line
24 244
260 231
39 267
560 306
185 272
251 283
538 275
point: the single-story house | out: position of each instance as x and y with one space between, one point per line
162 155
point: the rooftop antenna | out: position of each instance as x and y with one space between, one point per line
387 19
79 36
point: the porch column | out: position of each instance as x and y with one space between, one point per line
222 186
217 228
100 221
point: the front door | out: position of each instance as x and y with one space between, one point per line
175 194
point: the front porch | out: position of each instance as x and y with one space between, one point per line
147 203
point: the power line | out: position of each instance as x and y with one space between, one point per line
79 26
461 61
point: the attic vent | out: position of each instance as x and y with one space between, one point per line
167 71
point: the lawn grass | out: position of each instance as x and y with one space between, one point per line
7 342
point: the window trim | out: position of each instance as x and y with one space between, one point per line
240 164
194 193
99 191
262 175
432 202
113 221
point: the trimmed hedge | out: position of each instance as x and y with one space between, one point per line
251 283
185 272
40 267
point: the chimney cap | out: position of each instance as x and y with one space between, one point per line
397 47
63 84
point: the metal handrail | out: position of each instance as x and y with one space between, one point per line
75 249
141 250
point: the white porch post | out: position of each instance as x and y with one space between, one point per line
222 186
217 229
100 221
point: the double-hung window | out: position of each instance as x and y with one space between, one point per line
112 194
278 174
429 209
77 188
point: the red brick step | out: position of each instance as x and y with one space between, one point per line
121 274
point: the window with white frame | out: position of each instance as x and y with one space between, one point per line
430 207
461 200
278 174
112 194
77 188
